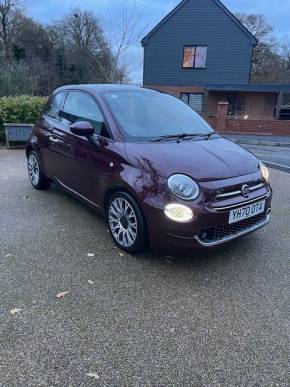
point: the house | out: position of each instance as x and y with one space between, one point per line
202 54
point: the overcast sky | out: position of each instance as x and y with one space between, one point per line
277 13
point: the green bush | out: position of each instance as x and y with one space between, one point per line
23 109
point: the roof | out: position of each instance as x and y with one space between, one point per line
251 87
219 4
99 88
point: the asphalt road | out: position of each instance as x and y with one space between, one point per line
215 318
280 156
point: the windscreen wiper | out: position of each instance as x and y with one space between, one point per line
174 136
208 135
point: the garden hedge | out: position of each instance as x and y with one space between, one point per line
22 109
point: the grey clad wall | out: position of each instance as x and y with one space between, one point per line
198 22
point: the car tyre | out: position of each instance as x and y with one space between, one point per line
126 223
36 176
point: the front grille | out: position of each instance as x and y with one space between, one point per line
217 233
230 192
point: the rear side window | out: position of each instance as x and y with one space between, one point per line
55 105
82 107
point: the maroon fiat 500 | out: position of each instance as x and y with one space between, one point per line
151 165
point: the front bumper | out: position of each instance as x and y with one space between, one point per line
228 233
211 220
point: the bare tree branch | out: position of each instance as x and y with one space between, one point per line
286 53
123 36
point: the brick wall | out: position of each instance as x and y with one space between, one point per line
225 124
211 121
271 127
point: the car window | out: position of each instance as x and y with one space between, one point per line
147 115
82 107
55 105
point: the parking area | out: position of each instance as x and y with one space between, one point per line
211 318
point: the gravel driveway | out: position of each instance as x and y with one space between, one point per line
211 319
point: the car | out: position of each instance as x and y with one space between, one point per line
151 165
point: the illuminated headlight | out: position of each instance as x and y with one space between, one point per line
264 171
183 187
178 213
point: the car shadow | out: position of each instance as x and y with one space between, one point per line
196 258
181 260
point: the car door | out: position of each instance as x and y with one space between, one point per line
44 130
88 155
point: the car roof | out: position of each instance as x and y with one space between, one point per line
99 88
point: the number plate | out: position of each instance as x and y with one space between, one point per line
247 212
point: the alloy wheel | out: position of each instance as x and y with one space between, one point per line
123 222
33 169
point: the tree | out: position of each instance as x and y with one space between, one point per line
8 9
31 46
74 49
30 40
258 26
263 54
82 48
270 62
286 53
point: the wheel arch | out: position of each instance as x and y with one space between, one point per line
119 188
29 148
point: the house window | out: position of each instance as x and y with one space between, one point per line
195 101
194 57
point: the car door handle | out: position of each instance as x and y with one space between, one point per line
60 143
55 140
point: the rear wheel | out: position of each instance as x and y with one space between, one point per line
126 223
36 176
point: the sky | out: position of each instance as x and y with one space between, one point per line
277 13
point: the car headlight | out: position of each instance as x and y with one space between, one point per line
264 171
178 213
183 187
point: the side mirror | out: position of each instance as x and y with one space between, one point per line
82 128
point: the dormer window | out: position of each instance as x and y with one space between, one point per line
194 57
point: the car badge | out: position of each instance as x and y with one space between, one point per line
245 190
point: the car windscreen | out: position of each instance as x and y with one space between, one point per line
148 115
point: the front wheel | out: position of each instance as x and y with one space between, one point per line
126 223
36 176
